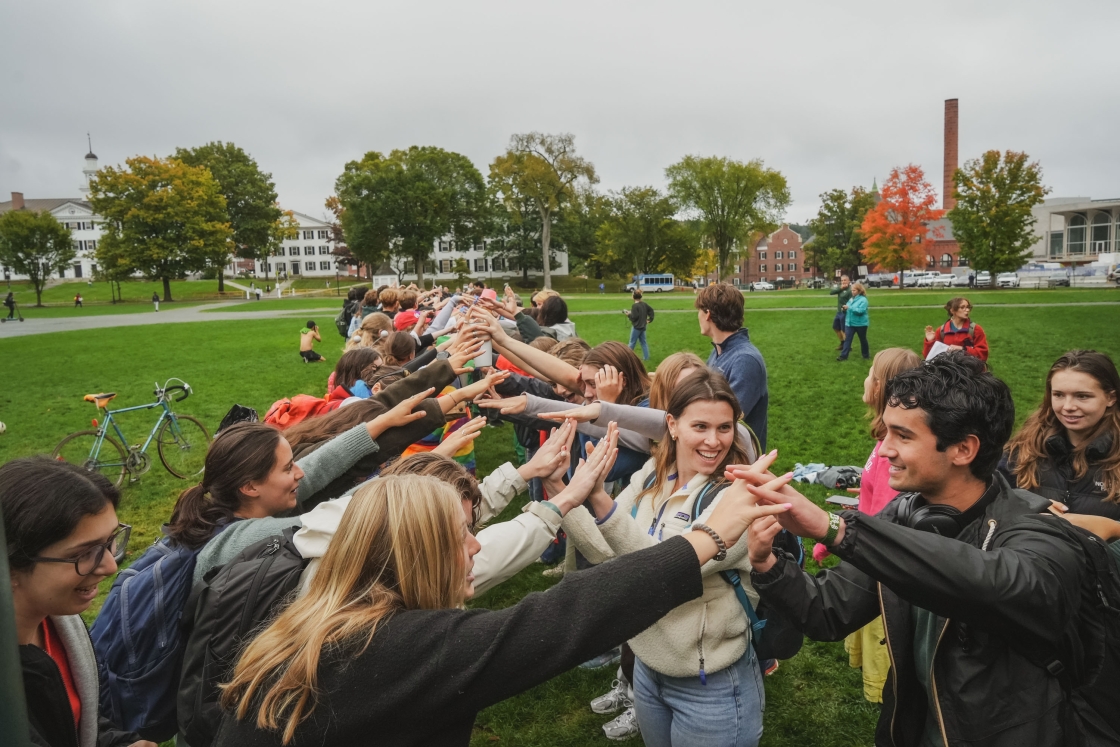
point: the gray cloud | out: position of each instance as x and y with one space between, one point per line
831 94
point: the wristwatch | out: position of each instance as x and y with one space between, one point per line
833 529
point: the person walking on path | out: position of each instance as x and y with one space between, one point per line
843 293
155 300
640 314
308 336
78 301
257 291
960 332
10 302
855 323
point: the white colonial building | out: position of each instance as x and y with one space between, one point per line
446 251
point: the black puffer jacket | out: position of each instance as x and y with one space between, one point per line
1021 593
1056 479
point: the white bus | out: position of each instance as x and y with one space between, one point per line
654 283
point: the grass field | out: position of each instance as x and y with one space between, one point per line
815 415
132 292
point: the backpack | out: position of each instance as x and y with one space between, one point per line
238 414
226 611
771 635
289 411
1087 662
138 641
342 321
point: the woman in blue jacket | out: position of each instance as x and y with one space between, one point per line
855 323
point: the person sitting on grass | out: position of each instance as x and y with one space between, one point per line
64 539
380 644
308 336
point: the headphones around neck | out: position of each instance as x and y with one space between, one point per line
916 513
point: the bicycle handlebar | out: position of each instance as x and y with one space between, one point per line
185 389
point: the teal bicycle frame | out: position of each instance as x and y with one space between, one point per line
167 414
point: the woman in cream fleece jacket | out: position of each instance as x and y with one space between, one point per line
696 679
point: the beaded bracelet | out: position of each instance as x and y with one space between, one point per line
722 554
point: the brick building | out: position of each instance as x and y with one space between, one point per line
775 257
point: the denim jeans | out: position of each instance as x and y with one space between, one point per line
849 336
636 336
681 712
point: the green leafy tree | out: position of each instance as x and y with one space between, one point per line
462 270
730 199
837 241
250 200
576 229
641 234
992 220
34 244
545 169
162 218
401 204
515 234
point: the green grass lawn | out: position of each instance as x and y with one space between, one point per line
132 292
815 415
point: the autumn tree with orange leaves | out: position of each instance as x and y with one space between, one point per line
897 232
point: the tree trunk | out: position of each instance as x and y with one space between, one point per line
166 289
546 239
419 269
222 279
38 291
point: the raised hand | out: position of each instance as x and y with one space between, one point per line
456 440
552 457
609 383
399 415
495 377
507 406
929 333
737 507
464 353
760 542
584 414
804 518
589 475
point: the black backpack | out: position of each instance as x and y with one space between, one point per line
226 611
342 321
772 636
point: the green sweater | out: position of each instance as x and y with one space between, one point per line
845 294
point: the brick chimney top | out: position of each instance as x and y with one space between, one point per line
17 200
947 199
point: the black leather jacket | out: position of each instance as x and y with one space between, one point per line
1020 593
1056 479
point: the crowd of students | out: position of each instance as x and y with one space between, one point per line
968 589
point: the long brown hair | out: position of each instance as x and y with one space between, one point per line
706 385
887 364
399 546
242 453
351 364
447 471
1028 447
614 353
665 378
398 348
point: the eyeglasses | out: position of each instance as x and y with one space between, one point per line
88 561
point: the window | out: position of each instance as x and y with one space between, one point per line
791 267
762 256
77 269
324 250
929 261
1099 237
430 267
1077 232
946 260
267 267
778 267
1056 238
962 262
293 251
324 233
778 254
480 265
785 241
792 254
324 265
445 265
762 268
309 265
308 234
498 264
295 268
309 250
445 246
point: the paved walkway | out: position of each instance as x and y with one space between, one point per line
211 312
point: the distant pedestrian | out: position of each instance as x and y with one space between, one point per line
750 287
78 301
268 288
252 286
602 288
308 336
257 291
972 280
855 323
641 314
155 300
10 302
844 294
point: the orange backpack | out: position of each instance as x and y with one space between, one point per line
289 411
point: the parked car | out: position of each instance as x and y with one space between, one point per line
913 279
1007 280
943 280
960 281
984 279
1056 279
880 280
762 285
932 279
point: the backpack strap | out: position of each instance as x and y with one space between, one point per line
732 577
651 478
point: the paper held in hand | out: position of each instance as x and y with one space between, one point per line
937 349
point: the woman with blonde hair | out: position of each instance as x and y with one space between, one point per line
855 323
372 329
380 645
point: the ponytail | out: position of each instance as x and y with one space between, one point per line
242 453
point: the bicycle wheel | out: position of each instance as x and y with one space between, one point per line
77 448
182 443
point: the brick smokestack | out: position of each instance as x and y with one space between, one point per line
17 200
947 201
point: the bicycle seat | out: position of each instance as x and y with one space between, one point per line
100 399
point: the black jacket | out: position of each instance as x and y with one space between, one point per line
1020 594
1056 480
641 314
427 673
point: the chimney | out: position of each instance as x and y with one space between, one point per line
17 200
947 200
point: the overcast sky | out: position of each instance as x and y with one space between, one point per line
832 94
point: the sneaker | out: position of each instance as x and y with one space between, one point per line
770 666
625 726
554 571
612 701
603 660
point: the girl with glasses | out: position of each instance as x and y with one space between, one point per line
959 332
64 539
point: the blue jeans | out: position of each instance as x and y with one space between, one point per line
680 712
850 335
636 336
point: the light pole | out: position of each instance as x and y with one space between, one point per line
337 292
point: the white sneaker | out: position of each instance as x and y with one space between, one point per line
625 726
612 701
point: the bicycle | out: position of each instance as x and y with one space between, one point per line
181 440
